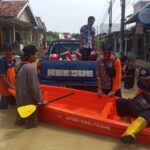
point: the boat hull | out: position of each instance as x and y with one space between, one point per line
84 110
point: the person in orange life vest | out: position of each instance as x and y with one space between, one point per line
138 107
7 77
108 72
27 86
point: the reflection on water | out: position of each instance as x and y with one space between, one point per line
50 137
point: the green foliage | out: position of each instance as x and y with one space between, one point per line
1 53
75 35
100 41
51 36
25 42
33 43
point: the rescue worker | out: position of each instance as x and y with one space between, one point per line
87 38
7 77
138 107
27 87
123 59
108 72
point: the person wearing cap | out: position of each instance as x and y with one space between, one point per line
123 59
87 38
27 86
137 107
7 77
108 72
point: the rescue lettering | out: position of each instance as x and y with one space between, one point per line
69 73
84 121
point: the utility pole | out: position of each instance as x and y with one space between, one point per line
122 3
110 20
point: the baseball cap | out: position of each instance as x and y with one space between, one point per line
144 73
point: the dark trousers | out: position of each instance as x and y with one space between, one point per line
85 53
29 122
6 101
128 83
124 108
118 92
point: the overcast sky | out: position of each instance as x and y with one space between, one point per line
70 15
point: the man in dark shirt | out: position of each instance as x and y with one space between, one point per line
138 107
87 38
123 59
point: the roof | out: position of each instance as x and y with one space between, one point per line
11 8
44 26
41 25
16 22
134 17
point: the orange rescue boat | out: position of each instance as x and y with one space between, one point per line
84 110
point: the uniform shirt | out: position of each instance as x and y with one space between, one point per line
131 73
27 86
141 88
7 68
101 72
87 34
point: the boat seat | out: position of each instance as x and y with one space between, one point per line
106 110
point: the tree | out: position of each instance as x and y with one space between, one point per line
51 36
75 35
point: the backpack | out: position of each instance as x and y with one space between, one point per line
140 103
3 103
110 70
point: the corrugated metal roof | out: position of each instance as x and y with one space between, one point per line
134 17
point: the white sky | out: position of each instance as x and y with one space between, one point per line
70 15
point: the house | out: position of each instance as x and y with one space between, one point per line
41 30
18 25
141 30
64 35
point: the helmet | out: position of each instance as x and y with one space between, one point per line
78 55
53 57
144 73
93 55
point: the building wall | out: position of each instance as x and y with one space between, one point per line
1 37
140 5
25 17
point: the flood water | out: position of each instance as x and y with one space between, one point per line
51 137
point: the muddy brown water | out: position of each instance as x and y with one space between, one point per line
51 137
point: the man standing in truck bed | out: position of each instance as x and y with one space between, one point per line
87 38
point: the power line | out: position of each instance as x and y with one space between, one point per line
104 8
127 4
106 14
